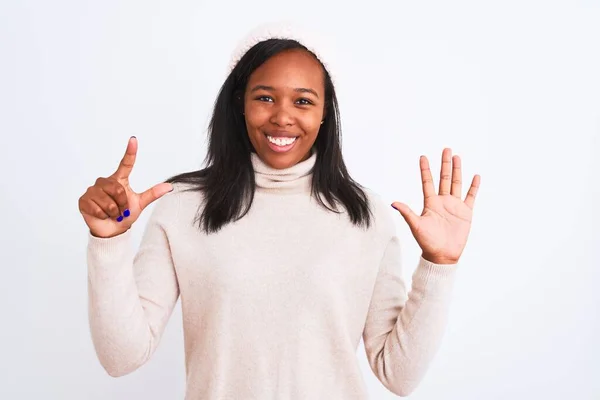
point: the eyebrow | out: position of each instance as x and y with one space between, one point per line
272 89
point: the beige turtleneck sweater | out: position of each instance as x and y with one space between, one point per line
274 305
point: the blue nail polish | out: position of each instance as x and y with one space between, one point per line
120 218
126 213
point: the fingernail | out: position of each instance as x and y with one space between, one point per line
134 137
126 213
120 218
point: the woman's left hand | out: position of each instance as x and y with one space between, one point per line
443 227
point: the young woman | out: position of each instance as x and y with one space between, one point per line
281 260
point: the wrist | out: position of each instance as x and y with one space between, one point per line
436 259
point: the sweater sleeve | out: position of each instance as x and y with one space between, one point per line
131 295
403 330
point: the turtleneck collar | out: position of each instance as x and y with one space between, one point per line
294 179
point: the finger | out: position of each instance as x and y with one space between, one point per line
128 160
118 193
470 198
105 202
154 193
409 216
426 178
456 177
446 172
90 207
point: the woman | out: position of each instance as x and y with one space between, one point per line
281 260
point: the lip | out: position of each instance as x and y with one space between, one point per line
281 134
280 149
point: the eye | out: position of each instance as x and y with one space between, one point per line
264 98
304 102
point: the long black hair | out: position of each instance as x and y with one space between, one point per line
227 181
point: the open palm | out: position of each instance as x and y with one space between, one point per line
443 227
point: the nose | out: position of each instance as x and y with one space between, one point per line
282 116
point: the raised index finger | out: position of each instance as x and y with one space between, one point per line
128 160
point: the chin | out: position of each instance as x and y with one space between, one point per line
279 161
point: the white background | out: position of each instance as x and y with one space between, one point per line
511 86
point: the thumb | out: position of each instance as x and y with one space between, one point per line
409 216
154 193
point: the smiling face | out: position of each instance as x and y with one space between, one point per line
284 106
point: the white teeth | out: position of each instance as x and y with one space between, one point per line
281 141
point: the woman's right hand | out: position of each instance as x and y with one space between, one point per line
110 206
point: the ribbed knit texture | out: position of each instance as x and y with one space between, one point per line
275 304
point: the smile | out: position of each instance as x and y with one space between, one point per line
281 144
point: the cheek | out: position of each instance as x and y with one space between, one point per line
311 123
255 117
